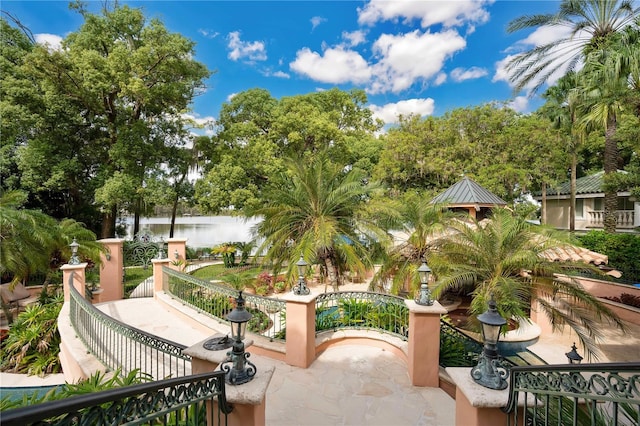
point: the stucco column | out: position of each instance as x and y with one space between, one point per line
424 343
539 317
301 329
477 405
79 281
177 246
111 270
249 399
158 276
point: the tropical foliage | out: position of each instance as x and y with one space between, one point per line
503 258
33 343
318 210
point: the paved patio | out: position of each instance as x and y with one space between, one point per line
346 385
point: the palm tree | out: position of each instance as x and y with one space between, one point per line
562 109
26 236
318 210
503 258
593 24
421 221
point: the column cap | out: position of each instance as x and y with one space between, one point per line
436 308
67 267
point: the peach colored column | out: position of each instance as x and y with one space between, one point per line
249 399
177 246
111 270
301 329
78 279
477 405
158 276
424 343
539 317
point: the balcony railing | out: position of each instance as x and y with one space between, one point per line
586 394
624 219
121 346
217 301
362 310
179 401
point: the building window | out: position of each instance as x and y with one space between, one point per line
598 204
580 208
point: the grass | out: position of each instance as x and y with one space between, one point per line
214 272
134 276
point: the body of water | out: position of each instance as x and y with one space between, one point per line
200 231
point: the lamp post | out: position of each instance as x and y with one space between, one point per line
161 249
488 372
74 260
301 289
573 356
424 298
238 369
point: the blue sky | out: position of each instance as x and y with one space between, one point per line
426 57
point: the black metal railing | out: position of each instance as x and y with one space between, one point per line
218 300
121 346
586 394
180 401
362 310
456 348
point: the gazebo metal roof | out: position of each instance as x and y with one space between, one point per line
466 192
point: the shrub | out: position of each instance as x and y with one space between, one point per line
626 299
262 290
280 286
623 251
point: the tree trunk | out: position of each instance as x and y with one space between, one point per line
333 277
174 212
610 167
572 200
109 223
544 203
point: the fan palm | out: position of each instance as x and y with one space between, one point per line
593 26
504 258
590 23
318 210
420 220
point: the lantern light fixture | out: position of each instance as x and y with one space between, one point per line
489 373
238 369
301 289
424 297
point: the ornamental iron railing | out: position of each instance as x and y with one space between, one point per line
456 348
179 401
362 310
585 394
217 300
142 249
120 346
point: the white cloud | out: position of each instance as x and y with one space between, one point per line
53 41
461 74
208 33
354 38
389 113
519 104
252 50
447 13
317 20
279 74
405 58
440 79
334 65
206 123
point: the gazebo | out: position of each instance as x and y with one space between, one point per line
467 195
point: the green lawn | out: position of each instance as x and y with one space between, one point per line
134 276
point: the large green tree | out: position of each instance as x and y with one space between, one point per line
318 209
122 83
503 258
256 132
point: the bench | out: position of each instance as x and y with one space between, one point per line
19 297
